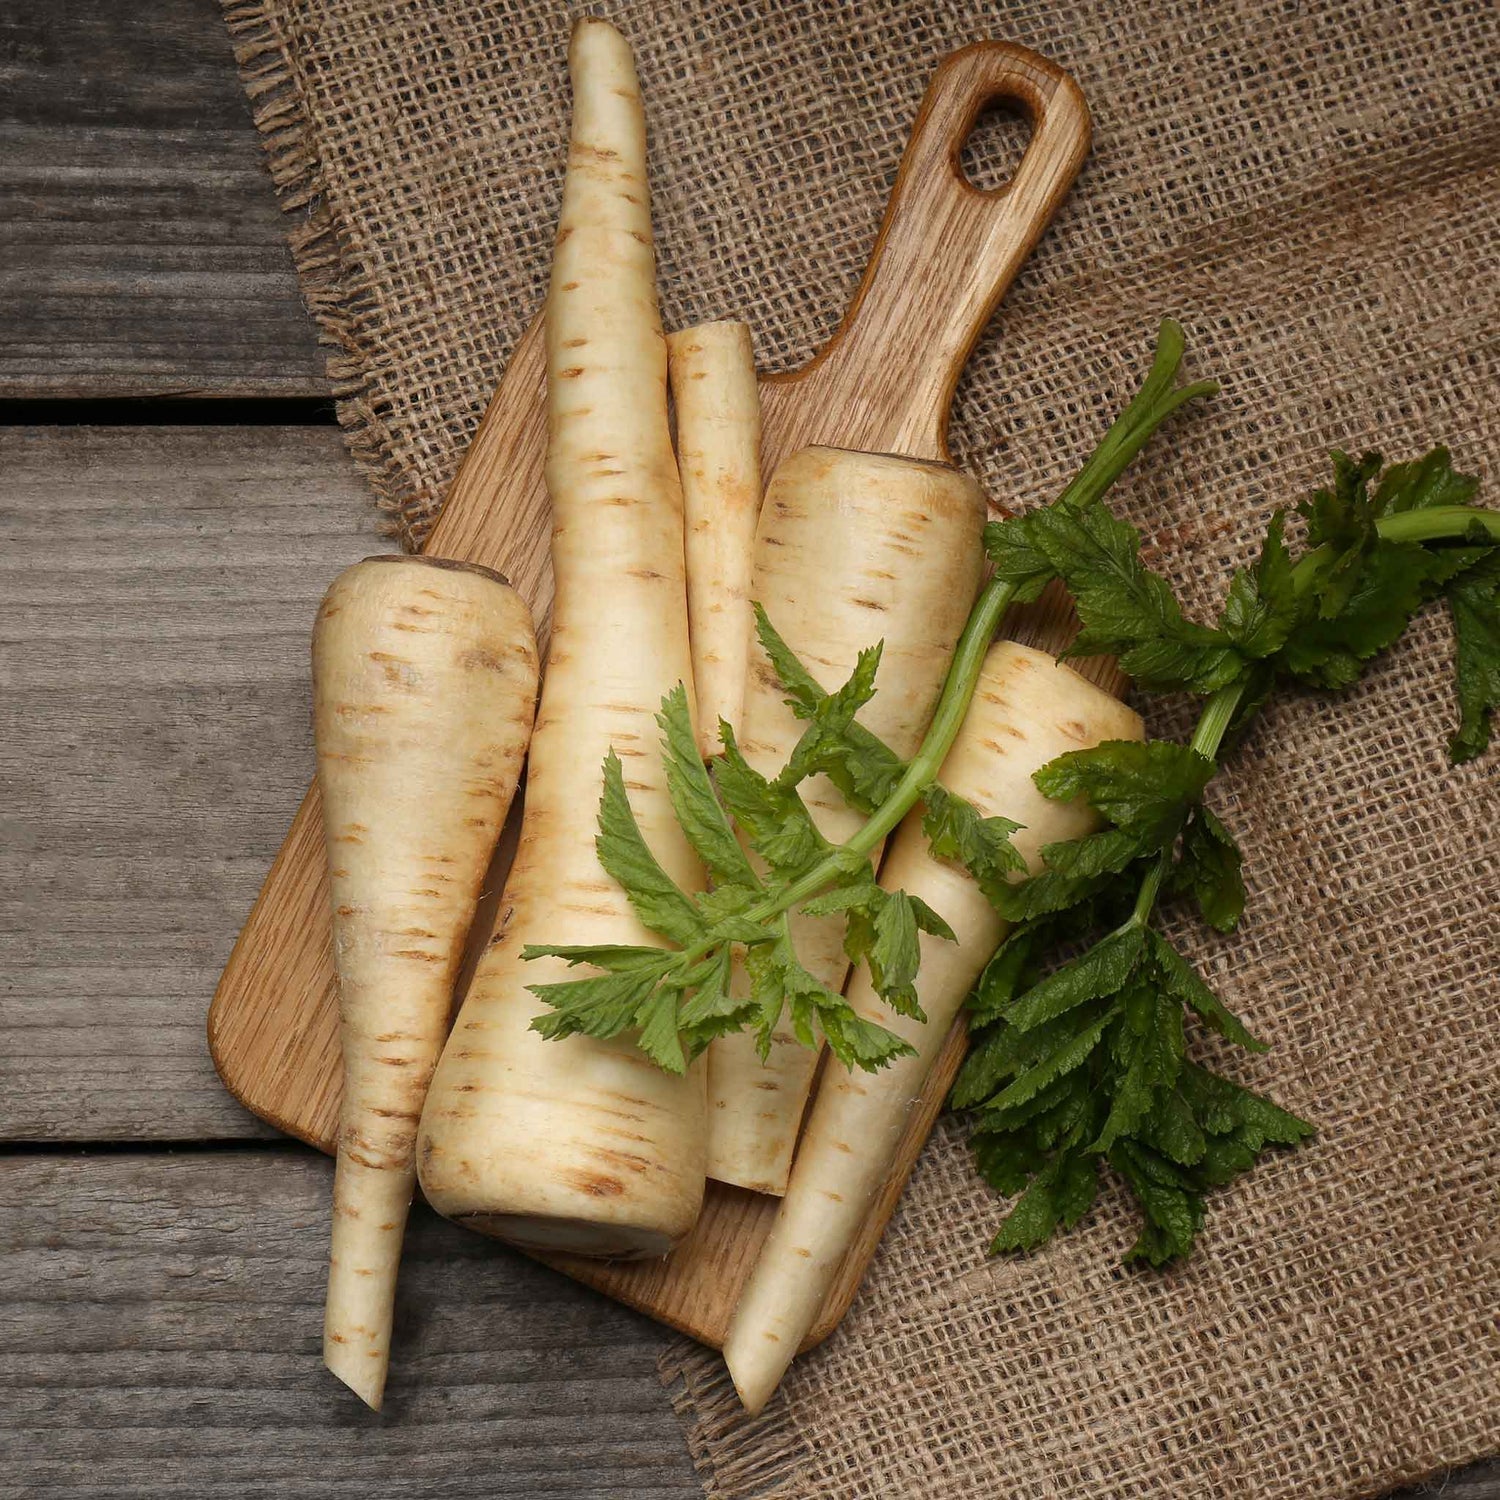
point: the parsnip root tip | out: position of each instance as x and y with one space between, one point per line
754 1381
359 1369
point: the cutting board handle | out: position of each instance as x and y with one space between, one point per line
947 251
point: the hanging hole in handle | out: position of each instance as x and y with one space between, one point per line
995 145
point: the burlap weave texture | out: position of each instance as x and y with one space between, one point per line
1314 190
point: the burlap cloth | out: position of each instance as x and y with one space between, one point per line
1315 191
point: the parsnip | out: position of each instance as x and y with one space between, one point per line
1028 709
712 374
579 1144
851 548
424 676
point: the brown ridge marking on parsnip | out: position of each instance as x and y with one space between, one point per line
630 1161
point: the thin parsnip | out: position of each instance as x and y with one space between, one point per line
1028 709
711 371
581 1144
850 548
424 677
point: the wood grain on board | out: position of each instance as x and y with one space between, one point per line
142 248
157 593
945 255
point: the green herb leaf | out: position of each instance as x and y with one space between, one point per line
1263 606
1070 1054
658 1037
1145 788
1061 1193
1018 561
725 902
1102 971
772 816
602 1005
1209 869
616 958
1376 600
1475 603
931 922
658 901
1170 1130
1147 1048
1127 610
1077 870
779 981
863 768
698 811
894 956
955 830
1173 1209
711 1010
1423 484
1181 980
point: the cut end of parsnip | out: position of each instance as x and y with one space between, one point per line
563 1236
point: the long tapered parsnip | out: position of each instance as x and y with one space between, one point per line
1027 710
712 375
424 680
579 1144
851 548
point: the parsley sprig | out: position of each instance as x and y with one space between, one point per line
1085 1063
677 999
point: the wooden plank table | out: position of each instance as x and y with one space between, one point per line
160 1250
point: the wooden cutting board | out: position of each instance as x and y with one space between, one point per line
945 255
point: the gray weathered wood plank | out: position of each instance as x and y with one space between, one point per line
141 249
157 590
1481 1482
162 1321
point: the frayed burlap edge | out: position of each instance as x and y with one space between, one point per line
732 1454
337 290
735 1455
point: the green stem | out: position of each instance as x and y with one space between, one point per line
1150 889
1442 523
922 769
1132 429
1128 434
1214 721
